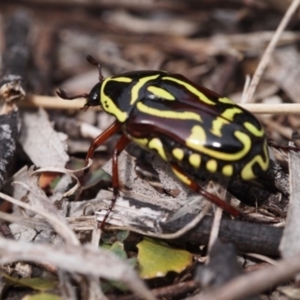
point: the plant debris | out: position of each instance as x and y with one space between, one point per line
52 204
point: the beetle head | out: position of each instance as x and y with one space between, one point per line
93 98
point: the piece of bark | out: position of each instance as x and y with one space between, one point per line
247 237
8 140
222 267
15 61
290 243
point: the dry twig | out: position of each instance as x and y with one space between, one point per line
269 50
58 103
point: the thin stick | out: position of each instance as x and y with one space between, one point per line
58 103
270 49
245 89
55 222
275 109
214 233
52 102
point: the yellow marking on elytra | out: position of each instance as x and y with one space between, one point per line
142 142
168 114
157 145
212 165
160 93
182 177
195 160
109 106
121 79
136 88
257 132
226 100
225 118
217 125
247 172
229 113
197 141
178 153
227 170
192 89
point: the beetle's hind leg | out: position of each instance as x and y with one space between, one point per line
197 188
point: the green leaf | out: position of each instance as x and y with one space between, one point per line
118 249
42 296
110 285
122 235
96 176
132 261
157 259
38 284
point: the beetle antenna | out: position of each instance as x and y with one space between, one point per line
94 62
64 95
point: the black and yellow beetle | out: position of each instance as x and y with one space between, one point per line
187 125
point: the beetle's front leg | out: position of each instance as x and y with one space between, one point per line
101 138
120 146
197 188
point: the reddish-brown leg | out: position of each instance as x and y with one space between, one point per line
120 146
197 188
100 139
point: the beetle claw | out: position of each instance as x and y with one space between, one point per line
63 94
92 60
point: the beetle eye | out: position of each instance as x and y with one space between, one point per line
94 95
94 99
